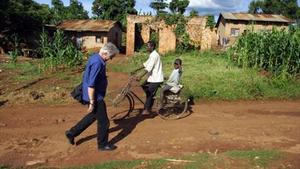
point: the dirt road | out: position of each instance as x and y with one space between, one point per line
35 133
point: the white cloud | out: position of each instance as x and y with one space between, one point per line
215 4
202 4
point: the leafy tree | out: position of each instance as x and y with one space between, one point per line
159 6
58 11
210 23
194 13
76 10
178 6
287 8
61 12
113 9
255 6
22 18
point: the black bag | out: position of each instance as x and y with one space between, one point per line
77 94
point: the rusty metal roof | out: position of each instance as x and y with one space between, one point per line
256 17
87 25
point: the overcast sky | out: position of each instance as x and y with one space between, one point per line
204 7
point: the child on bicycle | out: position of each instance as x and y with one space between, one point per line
172 83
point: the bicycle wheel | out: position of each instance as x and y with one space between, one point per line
118 106
174 111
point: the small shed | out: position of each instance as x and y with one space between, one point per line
92 33
231 25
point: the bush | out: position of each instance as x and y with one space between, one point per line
277 52
59 52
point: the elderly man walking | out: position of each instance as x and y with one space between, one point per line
94 86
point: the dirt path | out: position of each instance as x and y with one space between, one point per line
36 133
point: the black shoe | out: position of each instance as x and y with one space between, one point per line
70 137
107 148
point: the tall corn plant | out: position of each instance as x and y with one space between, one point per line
277 51
58 52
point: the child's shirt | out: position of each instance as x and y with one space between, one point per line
174 78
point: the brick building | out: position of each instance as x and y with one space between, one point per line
200 36
231 25
92 33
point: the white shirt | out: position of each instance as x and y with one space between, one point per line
174 78
154 66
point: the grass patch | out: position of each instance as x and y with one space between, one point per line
231 159
54 86
3 167
256 158
23 71
211 76
113 165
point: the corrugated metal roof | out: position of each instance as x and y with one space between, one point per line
87 25
256 17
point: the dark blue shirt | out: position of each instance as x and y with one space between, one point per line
95 77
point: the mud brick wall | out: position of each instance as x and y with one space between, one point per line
200 36
194 28
145 33
167 39
130 36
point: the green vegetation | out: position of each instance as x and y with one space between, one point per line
239 159
256 158
159 6
178 6
210 23
114 9
3 167
277 52
27 17
114 165
25 71
287 8
15 52
211 76
59 52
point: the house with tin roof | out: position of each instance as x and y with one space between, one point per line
91 34
231 25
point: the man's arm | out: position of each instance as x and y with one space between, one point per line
94 71
136 70
91 93
144 72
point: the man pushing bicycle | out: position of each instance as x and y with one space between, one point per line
153 69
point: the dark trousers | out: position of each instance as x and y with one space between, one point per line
98 114
150 90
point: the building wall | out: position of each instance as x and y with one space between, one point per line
130 36
221 31
145 33
115 36
209 39
167 39
89 39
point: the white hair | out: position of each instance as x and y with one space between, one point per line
110 49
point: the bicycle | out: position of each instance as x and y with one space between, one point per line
122 101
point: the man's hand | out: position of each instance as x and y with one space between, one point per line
91 108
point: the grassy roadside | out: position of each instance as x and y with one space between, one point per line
207 76
212 76
231 159
25 83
